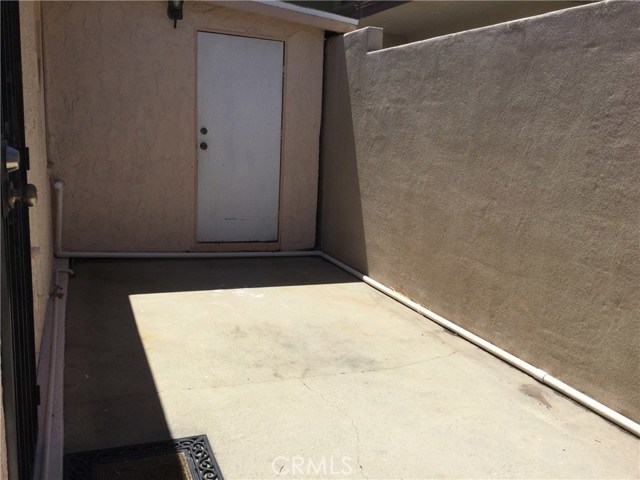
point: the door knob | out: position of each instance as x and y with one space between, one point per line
10 194
28 194
203 146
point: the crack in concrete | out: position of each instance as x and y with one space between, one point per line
353 423
276 380
333 374
407 364
355 428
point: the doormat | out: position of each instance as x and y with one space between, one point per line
189 458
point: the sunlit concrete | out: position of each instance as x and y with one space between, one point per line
295 369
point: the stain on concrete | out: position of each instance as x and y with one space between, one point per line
237 332
535 392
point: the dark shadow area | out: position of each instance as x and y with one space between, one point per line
110 397
340 217
139 276
105 365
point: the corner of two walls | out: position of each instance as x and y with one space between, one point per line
491 176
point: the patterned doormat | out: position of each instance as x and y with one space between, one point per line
189 458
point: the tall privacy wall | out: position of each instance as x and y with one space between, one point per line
493 176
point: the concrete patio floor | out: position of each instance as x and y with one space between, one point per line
293 368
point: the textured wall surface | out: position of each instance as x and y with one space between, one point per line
121 116
492 176
34 116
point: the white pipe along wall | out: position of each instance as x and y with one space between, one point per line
538 374
520 364
60 253
48 462
54 408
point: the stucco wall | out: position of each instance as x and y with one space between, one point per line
121 115
40 223
492 176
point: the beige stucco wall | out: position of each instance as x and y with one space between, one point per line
492 176
121 117
40 223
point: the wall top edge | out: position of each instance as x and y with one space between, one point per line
515 24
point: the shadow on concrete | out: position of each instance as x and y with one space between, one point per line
138 276
105 361
340 219
110 397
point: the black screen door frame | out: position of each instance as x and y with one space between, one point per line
20 392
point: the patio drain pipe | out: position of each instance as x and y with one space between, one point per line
53 413
540 375
58 185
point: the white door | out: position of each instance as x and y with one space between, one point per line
239 124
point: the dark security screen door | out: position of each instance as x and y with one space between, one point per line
20 394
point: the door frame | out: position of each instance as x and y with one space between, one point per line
237 246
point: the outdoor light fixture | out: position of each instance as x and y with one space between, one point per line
174 11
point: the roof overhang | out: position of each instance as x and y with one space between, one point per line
293 13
